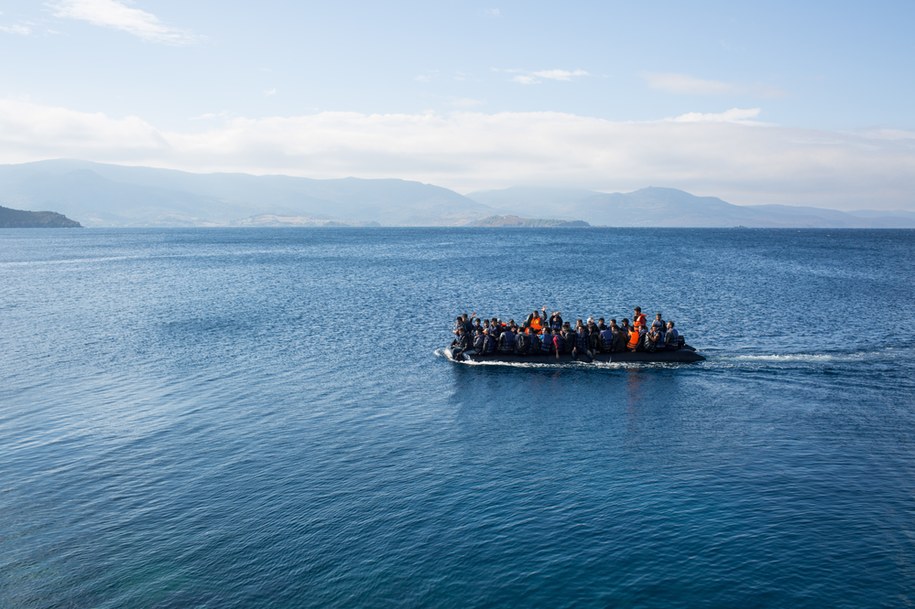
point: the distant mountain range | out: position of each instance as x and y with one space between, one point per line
114 195
17 218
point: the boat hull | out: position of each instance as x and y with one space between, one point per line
685 355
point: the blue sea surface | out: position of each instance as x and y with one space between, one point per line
263 418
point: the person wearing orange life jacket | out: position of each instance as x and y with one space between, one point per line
639 320
634 337
535 321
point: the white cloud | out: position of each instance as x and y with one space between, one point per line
525 79
464 103
683 84
538 76
117 15
20 29
730 155
39 131
734 115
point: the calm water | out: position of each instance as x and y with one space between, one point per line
262 418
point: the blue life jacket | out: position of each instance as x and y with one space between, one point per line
582 340
535 343
507 342
478 342
489 344
606 339
546 343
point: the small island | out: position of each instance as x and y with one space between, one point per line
519 222
17 218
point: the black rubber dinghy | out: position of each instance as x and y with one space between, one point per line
685 355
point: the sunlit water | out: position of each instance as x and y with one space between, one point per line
263 418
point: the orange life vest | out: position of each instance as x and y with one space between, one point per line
633 339
536 324
639 320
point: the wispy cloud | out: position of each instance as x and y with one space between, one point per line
734 115
684 84
427 76
117 15
20 29
729 154
465 103
538 76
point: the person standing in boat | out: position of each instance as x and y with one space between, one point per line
536 321
556 322
638 318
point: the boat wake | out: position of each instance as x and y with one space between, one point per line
563 365
800 357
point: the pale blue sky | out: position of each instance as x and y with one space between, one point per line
769 102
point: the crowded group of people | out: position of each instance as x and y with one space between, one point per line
542 334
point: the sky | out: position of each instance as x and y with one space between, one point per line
769 102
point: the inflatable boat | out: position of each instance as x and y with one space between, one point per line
683 355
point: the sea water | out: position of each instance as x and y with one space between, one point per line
263 418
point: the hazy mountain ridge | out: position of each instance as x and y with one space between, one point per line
115 195
654 206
